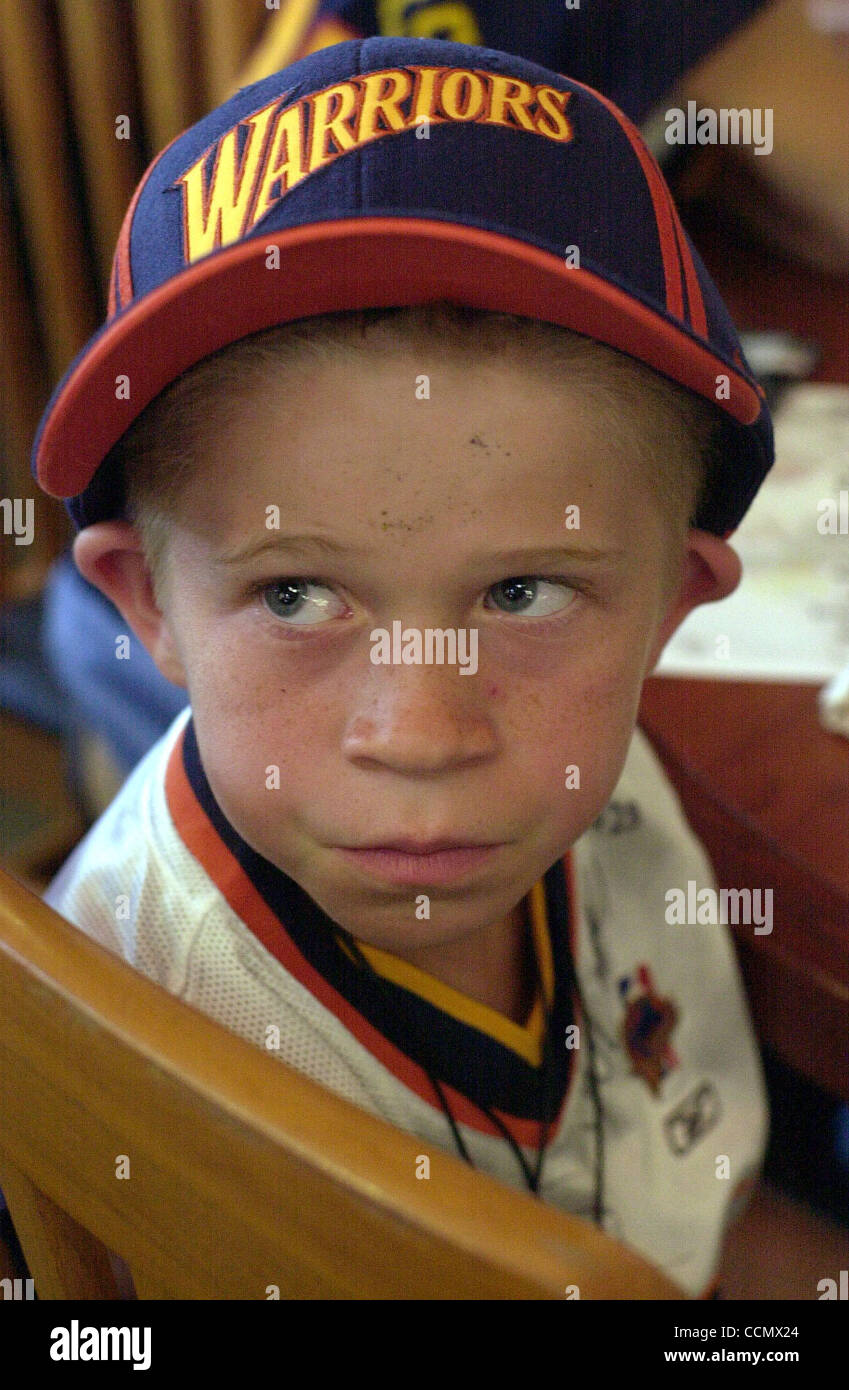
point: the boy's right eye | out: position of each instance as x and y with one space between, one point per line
291 600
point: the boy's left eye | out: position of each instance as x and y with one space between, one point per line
535 589
291 600
286 598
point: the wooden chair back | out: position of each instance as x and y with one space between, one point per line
130 1122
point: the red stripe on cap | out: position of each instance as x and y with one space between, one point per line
122 276
668 223
112 304
698 316
121 279
327 267
664 210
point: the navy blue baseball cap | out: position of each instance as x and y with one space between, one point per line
390 172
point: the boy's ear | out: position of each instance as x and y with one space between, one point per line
110 556
710 570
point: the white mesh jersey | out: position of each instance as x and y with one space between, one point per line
672 1079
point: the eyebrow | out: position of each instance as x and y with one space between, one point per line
306 543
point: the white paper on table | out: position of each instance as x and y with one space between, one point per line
789 618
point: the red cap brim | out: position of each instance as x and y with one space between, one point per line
330 267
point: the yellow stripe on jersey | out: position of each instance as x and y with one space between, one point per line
281 42
526 1039
325 33
444 19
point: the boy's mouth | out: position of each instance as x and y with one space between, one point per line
404 845
435 862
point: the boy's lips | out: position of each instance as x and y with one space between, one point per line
419 862
408 846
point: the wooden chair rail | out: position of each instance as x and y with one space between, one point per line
242 1173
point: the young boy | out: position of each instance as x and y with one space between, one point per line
416 429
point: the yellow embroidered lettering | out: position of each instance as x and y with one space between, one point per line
330 110
383 93
217 215
283 166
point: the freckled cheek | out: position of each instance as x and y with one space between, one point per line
258 725
573 732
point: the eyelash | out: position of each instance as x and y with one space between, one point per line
294 631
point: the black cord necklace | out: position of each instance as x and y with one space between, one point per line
532 1176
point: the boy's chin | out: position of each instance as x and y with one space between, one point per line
393 919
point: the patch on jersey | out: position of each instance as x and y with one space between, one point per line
249 168
692 1117
646 1028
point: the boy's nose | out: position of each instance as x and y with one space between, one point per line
420 719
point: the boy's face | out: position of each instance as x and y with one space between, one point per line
427 508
